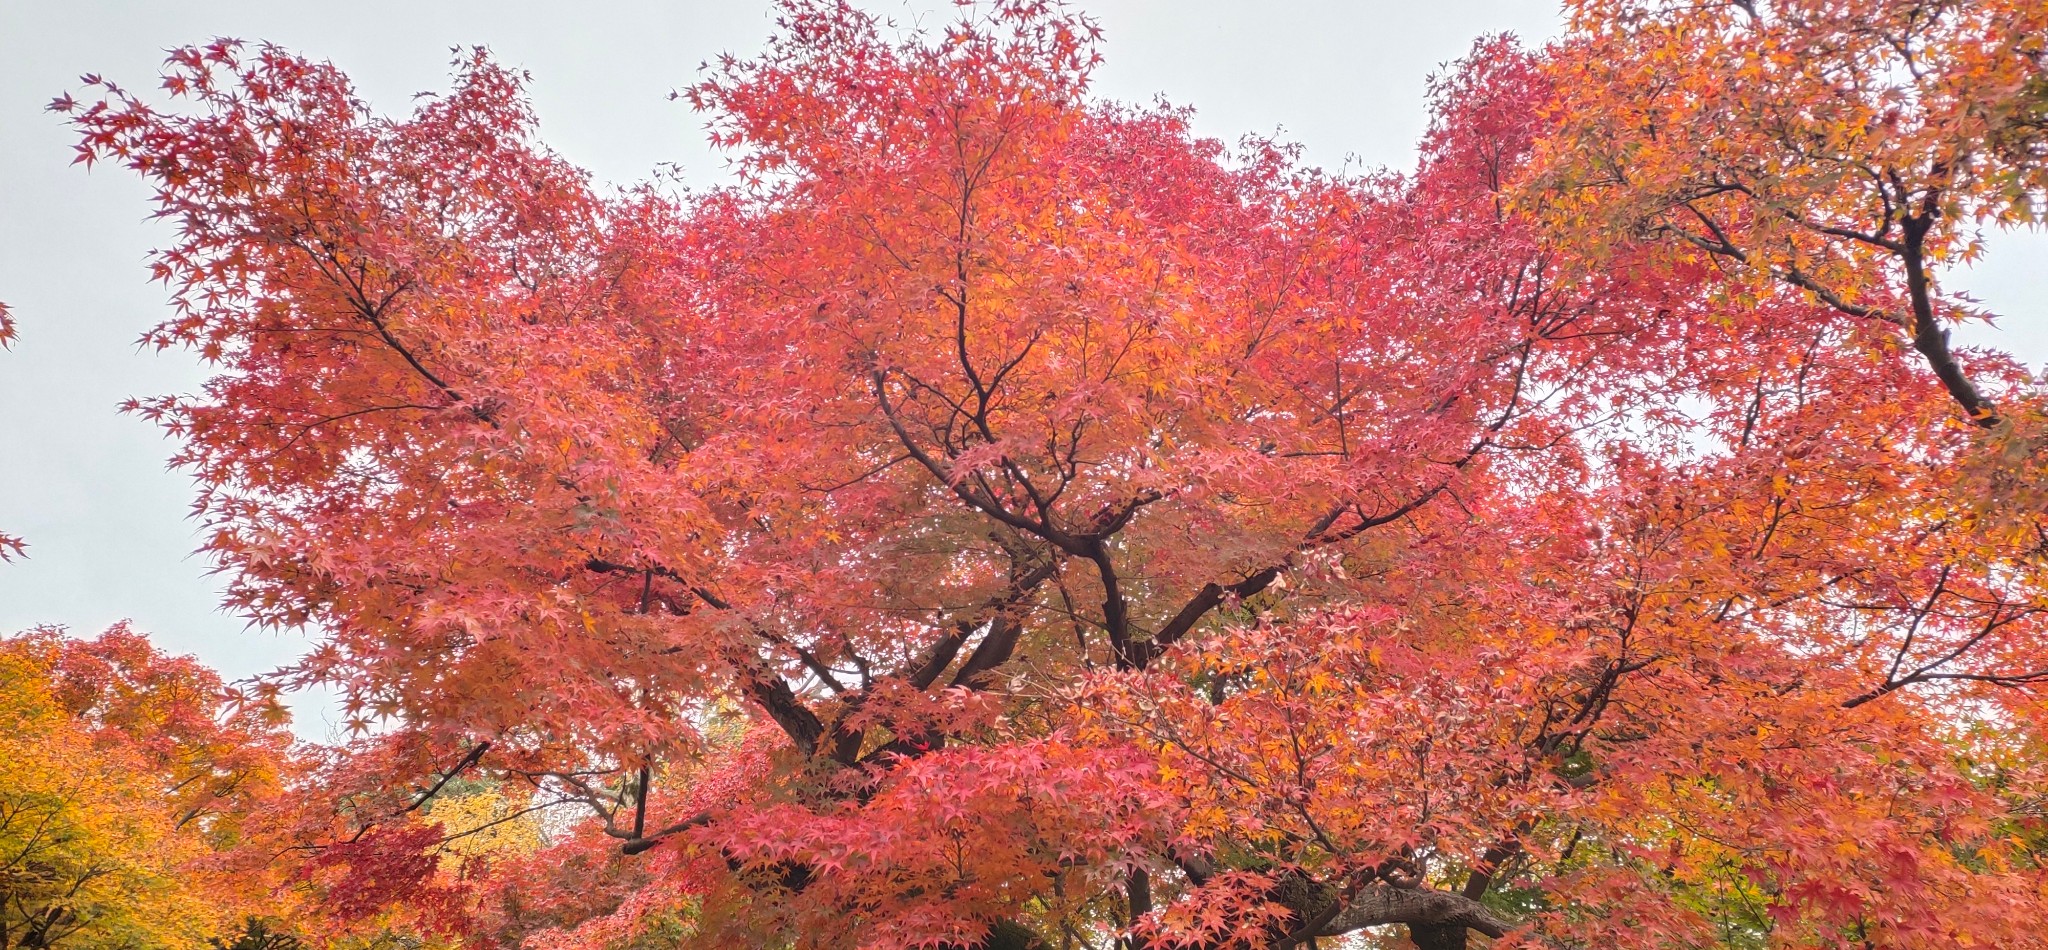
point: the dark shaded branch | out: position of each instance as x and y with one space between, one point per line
1213 595
994 650
1481 879
942 653
944 473
2006 680
475 753
640 844
939 656
1929 337
780 702
1427 907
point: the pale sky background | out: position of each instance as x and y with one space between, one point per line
88 488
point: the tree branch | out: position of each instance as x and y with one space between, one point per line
1380 904
475 753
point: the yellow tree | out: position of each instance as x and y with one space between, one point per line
124 787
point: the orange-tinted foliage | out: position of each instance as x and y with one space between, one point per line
1007 516
133 799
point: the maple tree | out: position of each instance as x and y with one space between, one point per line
126 795
1811 142
1007 518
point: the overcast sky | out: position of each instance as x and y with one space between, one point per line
87 487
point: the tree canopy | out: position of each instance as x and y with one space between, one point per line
1006 518
129 796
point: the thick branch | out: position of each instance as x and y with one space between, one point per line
781 704
1427 907
995 649
1929 337
942 653
639 844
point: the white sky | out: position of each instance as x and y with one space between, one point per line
87 487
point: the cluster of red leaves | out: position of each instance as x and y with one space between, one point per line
362 877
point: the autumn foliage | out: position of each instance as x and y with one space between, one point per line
1004 517
132 798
